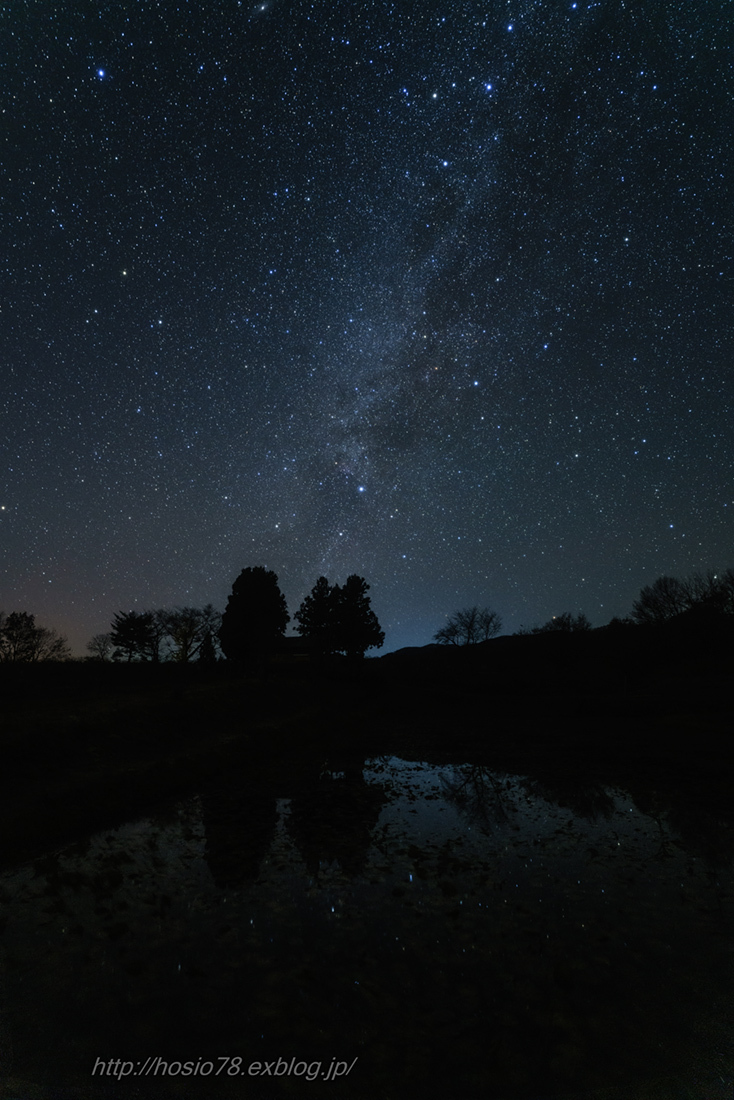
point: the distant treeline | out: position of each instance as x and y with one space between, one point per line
702 595
331 620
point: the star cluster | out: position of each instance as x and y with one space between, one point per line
435 293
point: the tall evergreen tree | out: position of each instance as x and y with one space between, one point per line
255 617
339 619
316 619
356 625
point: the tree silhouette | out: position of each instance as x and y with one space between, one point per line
136 635
22 640
355 623
661 601
563 624
316 617
207 654
100 647
719 591
255 617
339 619
187 627
468 627
709 593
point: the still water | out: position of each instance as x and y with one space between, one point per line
455 930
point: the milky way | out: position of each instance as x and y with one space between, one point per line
437 294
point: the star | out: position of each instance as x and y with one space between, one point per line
311 280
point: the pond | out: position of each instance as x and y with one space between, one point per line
379 928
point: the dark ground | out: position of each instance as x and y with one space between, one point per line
85 745
89 746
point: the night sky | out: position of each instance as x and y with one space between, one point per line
439 294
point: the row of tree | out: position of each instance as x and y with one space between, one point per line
177 634
710 594
478 624
332 618
701 593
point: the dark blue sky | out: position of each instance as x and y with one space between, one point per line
439 294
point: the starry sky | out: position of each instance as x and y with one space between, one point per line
439 294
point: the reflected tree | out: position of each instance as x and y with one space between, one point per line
487 796
333 813
584 797
239 813
481 794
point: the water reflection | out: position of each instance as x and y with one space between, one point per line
455 927
239 816
333 812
